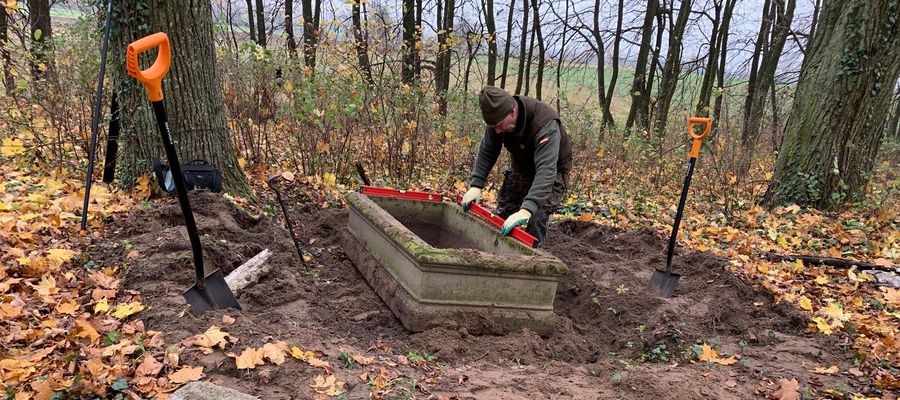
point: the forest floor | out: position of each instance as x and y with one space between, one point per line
102 312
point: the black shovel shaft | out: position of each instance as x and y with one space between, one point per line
678 213
287 219
162 121
95 119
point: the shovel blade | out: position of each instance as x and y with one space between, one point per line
216 295
663 283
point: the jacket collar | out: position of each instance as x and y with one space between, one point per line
520 119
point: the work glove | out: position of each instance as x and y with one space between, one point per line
521 217
471 196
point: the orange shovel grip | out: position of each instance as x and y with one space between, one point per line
150 77
698 139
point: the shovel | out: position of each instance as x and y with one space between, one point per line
663 283
209 292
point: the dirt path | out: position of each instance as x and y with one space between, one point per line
619 341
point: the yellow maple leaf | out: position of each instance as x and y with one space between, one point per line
59 256
822 325
274 353
328 386
299 354
248 359
12 146
805 303
822 280
211 338
187 374
102 306
84 329
315 362
827 371
710 354
836 313
329 179
67 307
125 309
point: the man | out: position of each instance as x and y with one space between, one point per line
541 158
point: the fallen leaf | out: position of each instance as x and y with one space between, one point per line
102 306
315 362
827 371
363 360
892 295
789 390
855 372
822 325
274 353
67 307
328 386
227 320
149 367
710 354
836 313
249 359
299 354
125 309
211 338
187 374
85 330
805 303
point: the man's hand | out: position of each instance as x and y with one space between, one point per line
521 217
473 195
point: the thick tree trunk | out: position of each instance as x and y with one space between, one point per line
837 120
192 92
260 23
251 19
893 128
523 47
492 41
539 79
41 32
509 29
672 68
289 27
417 69
311 9
407 71
442 76
362 45
639 95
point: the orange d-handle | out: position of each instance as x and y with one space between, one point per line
698 139
150 77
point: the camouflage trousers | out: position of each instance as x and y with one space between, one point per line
512 194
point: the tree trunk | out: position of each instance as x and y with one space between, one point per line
417 69
251 20
522 46
529 59
509 26
893 129
492 42
782 14
539 79
712 62
8 82
407 72
672 68
362 45
311 9
600 51
837 119
559 63
289 27
615 58
40 29
445 22
260 23
192 92
723 60
639 95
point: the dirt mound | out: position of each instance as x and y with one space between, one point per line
609 315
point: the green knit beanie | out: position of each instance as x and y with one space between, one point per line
495 103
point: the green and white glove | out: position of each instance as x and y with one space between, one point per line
471 196
520 217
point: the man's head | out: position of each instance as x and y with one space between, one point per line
498 109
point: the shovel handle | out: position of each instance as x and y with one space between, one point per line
150 77
698 139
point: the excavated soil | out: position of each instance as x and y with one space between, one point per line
618 340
